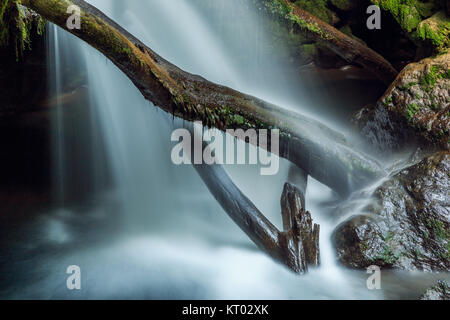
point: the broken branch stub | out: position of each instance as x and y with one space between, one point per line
300 239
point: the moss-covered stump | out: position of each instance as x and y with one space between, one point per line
415 107
407 225
440 291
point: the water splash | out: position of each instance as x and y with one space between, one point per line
153 226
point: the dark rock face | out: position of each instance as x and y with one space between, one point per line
23 83
441 291
408 224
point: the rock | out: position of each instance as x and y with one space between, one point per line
417 105
23 73
435 30
407 225
441 291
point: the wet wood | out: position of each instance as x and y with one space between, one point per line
323 153
297 246
350 49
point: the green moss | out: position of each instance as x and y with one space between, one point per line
317 8
41 26
389 255
435 30
411 109
409 85
387 101
16 26
438 229
412 16
428 81
403 11
239 119
285 13
309 50
446 75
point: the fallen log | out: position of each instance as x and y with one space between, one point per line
321 152
352 50
297 247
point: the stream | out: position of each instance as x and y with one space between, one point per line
140 227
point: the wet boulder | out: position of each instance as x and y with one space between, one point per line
407 225
416 106
441 291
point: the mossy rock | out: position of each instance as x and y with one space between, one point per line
406 223
319 9
16 24
421 96
436 30
413 16
440 291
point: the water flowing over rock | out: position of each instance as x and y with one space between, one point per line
440 291
408 224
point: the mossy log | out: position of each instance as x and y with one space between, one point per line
350 49
321 152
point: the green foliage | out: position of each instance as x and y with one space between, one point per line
16 26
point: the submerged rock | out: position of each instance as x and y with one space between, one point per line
441 291
417 105
407 226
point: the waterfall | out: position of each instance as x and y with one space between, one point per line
142 227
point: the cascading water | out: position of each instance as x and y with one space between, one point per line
145 228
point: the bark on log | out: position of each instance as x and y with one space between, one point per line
353 51
320 151
297 247
302 238
299 178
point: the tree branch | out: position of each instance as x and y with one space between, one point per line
321 152
353 51
297 246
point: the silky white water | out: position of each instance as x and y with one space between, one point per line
148 228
